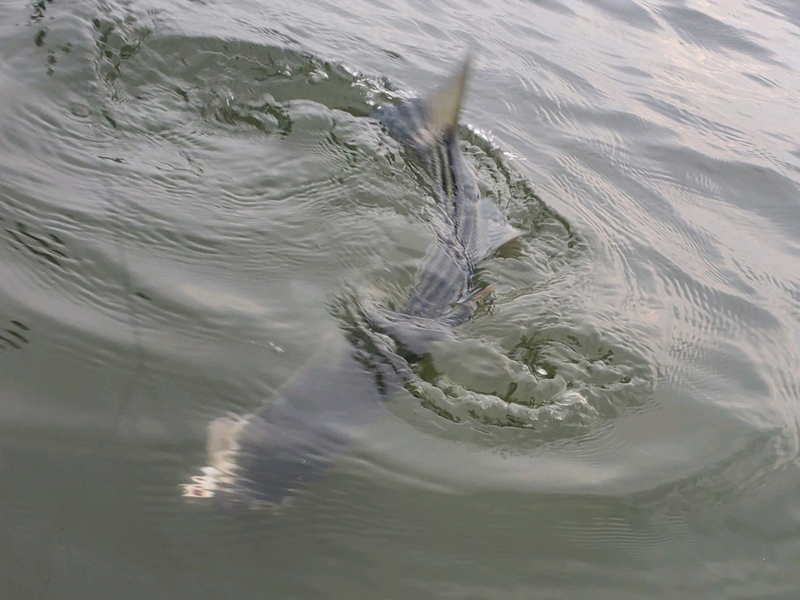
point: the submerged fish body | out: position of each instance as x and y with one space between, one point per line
271 455
267 457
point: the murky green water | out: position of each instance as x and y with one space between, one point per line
189 192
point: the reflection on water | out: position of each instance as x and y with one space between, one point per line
187 190
47 248
14 336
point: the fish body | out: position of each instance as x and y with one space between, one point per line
469 228
267 457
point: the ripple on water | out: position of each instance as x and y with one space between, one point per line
558 381
14 336
547 374
176 105
629 11
540 364
702 29
205 193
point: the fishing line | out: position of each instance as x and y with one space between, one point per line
116 228
132 317
114 212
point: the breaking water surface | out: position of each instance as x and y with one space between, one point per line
189 190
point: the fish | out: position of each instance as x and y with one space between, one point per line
268 458
470 228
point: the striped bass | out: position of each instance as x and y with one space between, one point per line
470 228
267 457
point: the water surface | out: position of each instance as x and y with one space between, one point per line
190 192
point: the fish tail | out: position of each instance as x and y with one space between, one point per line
426 122
444 105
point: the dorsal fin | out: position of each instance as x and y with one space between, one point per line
444 105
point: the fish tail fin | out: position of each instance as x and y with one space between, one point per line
422 122
444 105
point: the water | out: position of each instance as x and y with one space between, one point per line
189 190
